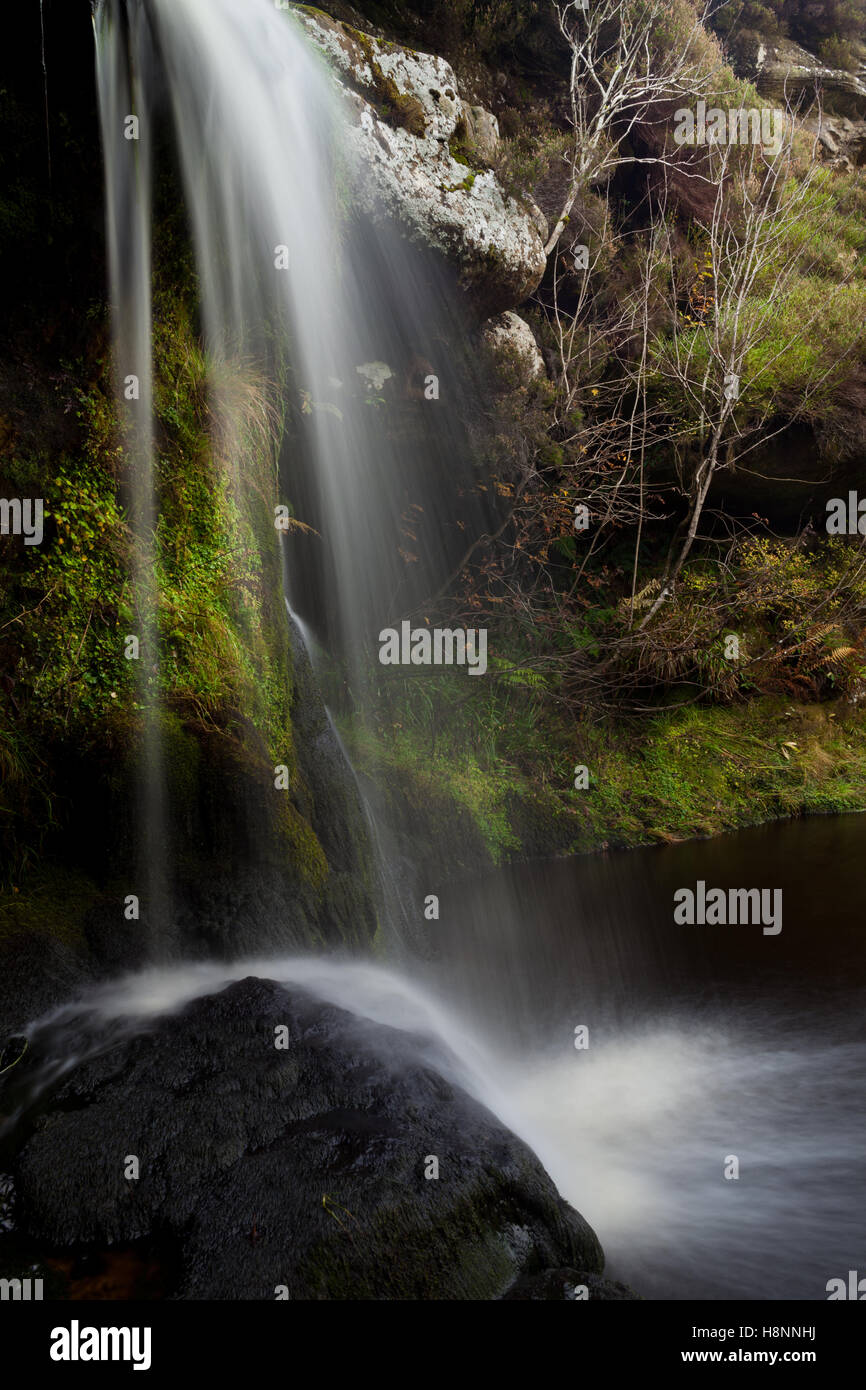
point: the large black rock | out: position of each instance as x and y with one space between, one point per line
302 1167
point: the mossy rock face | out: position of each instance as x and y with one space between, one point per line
248 871
247 866
430 827
408 112
250 867
322 1149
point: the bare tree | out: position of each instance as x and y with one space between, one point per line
697 356
625 62
722 366
618 425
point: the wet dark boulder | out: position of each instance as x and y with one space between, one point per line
569 1286
298 1171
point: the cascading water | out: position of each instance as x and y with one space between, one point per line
634 1132
293 280
121 41
323 302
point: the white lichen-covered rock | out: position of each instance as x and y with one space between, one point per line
509 333
407 114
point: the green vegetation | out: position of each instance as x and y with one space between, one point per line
224 638
506 790
67 604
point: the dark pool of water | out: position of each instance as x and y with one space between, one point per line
706 1044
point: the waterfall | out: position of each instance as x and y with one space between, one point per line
328 305
122 57
293 278
703 1049
696 1095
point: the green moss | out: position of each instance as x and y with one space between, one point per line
465 185
224 638
461 148
182 755
396 107
302 847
